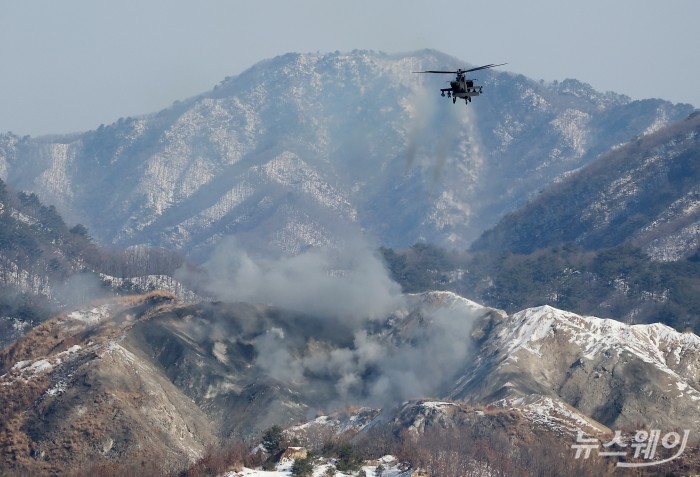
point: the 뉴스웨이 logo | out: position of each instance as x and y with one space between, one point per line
644 446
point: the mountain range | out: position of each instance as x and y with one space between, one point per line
252 214
149 378
306 149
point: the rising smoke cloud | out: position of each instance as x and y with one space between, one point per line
382 348
434 133
351 284
382 371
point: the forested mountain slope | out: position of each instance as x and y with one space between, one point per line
646 192
304 149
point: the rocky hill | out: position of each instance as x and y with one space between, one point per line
150 379
303 149
602 367
74 393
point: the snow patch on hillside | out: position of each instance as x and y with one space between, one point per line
552 414
572 124
675 354
653 343
55 180
392 468
91 316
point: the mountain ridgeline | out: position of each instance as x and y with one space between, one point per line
316 204
306 149
147 381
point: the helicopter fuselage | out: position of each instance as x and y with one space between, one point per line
462 88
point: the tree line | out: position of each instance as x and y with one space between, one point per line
619 282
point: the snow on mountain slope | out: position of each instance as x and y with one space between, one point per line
303 148
390 465
149 374
655 343
553 415
616 373
646 192
78 393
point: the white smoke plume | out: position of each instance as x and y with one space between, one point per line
352 284
434 133
374 370
425 364
379 347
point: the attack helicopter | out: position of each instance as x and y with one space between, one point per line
461 86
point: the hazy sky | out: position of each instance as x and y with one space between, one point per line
74 64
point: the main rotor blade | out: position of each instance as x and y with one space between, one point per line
433 71
483 67
461 71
